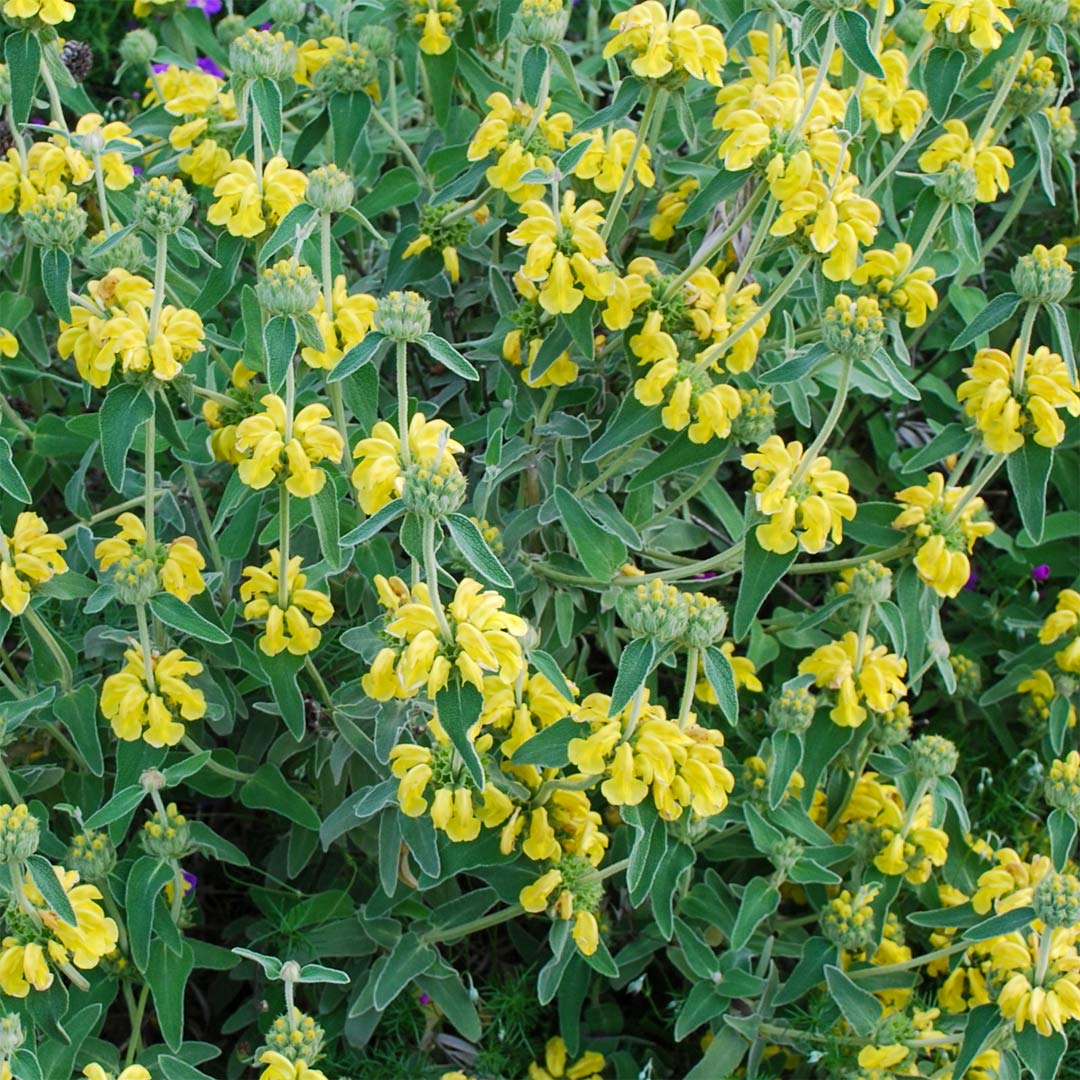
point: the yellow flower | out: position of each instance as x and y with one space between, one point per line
1005 413
379 475
181 570
1064 621
981 17
683 46
48 11
484 641
352 319
566 258
289 618
273 443
891 103
882 1057
947 537
605 162
179 336
897 287
118 174
561 372
988 164
1047 998
93 1071
794 495
30 556
144 699
870 677
279 1067
586 932
244 207
534 898
556 1064
25 964
9 344
184 91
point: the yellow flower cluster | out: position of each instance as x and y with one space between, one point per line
30 556
982 20
605 162
892 103
954 151
864 676
345 325
1064 622
898 287
292 613
662 48
946 524
179 565
247 203
797 493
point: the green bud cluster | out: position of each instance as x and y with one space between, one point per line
541 22
55 221
11 1034
298 1040
162 206
956 184
1044 276
871 583
5 85
756 420
968 676
287 288
654 610
167 835
1056 900
793 710
286 12
848 921
433 493
348 71
853 328
137 47
19 833
229 28
1062 785
707 620
262 54
403 316
932 757
93 854
127 253
1042 13
330 189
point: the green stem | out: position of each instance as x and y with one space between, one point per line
830 422
656 98
928 234
17 421
215 766
320 683
982 478
612 467
1042 961
195 491
1007 81
819 78
113 511
755 246
890 166
178 893
9 784
147 647
431 571
688 688
161 256
684 497
887 555
1023 344
99 178
16 137
115 914
136 1026
54 96
403 404
404 148
256 142
908 965
39 624
149 492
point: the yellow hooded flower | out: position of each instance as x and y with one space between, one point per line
379 475
273 443
48 11
1064 621
1004 414
352 319
30 556
897 287
683 46
93 1071
290 623
245 206
870 677
279 1067
891 103
604 163
981 18
534 898
989 164
145 699
181 569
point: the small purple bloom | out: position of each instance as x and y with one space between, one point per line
137 170
267 26
705 577
972 582
425 1000
1040 573
208 7
204 63
157 69
190 881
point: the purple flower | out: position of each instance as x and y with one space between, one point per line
972 581
1040 573
425 1000
157 69
204 63
208 7
190 881
136 170
705 577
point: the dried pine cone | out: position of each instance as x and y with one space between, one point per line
78 58
6 140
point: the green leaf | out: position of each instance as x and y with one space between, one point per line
77 711
944 70
631 422
288 230
1062 829
394 188
125 409
649 847
761 571
324 509
1041 136
966 233
626 97
167 974
459 706
410 957
280 672
445 353
56 279
555 344
454 1002
348 116
254 354
176 1068
120 805
994 314
982 1023
546 665
267 99
206 840
1017 919
145 881
548 748
172 611
356 357
600 553
759 901
317 973
853 33
308 330
722 679
721 186
271 965
279 337
1029 472
11 479
533 66
787 751
798 367
23 56
677 859
476 551
1042 1054
1063 337
860 1008
269 790
52 892
636 662
367 530
25 1065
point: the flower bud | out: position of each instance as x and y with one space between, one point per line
1044 276
229 29
92 853
262 54
403 316
1062 784
346 72
956 184
137 47
848 921
330 189
654 610
287 288
433 493
135 579
871 583
11 1034
540 22
19 833
152 780
968 676
1033 87
853 328
286 12
55 221
756 420
5 86
380 41
1056 900
126 253
1062 129
793 710
785 854
706 623
162 206
168 836
908 25
893 727
1043 13
933 757
302 1040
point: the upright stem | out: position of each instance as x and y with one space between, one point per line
1042 961
54 96
656 96
257 147
403 404
337 399
150 490
982 478
103 203
16 138
178 893
819 78
145 643
901 153
1023 344
161 256
688 688
928 234
136 1026
431 570
204 517
755 246
404 148
830 421
1006 84
9 784
39 624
